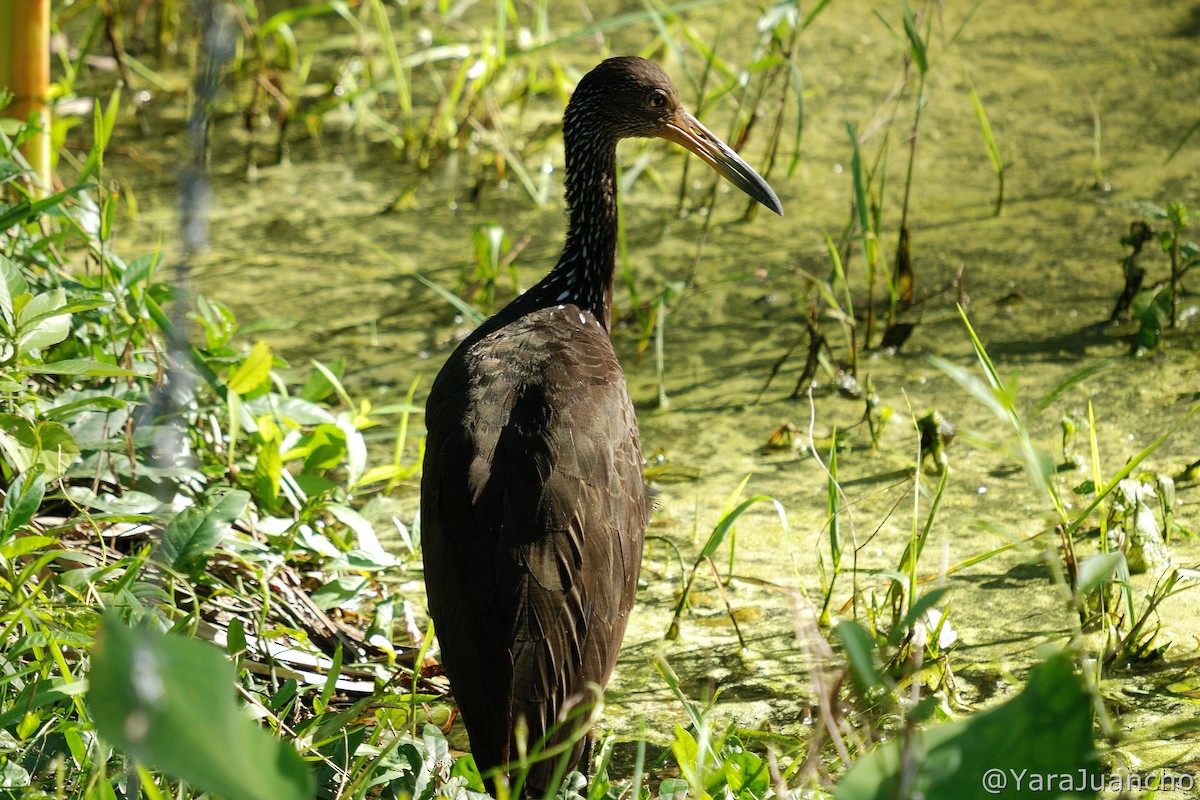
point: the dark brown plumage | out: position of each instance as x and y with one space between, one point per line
533 506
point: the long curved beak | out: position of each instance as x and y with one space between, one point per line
687 131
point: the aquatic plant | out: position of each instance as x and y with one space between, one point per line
1098 585
1156 307
865 228
834 294
722 532
492 253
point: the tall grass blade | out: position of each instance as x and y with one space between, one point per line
833 510
962 25
717 538
384 26
917 45
912 552
797 80
1062 387
811 16
1128 469
1000 398
660 359
460 305
617 22
1184 140
989 140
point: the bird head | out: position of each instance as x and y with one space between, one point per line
627 96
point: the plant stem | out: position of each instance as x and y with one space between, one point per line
1176 272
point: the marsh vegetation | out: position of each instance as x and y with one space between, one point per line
925 451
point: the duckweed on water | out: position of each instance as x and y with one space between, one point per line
1009 548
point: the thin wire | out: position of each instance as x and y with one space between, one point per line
217 45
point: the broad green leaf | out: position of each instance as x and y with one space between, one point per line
321 382
746 772
102 402
918 608
25 210
685 748
8 170
75 306
314 485
309 539
46 333
379 633
295 410
13 776
860 651
358 561
27 443
235 637
364 533
356 450
268 470
196 530
466 768
1097 570
38 694
86 368
323 449
339 591
24 545
22 501
254 371
28 726
168 702
1044 732
673 789
385 472
139 270
12 284
42 322
130 502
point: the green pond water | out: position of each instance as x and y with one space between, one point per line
298 250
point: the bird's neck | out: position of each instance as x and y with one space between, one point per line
583 275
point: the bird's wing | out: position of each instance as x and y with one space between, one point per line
548 532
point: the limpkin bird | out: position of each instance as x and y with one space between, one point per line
533 505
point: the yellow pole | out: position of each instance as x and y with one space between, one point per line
29 78
6 28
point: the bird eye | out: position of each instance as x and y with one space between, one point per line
657 99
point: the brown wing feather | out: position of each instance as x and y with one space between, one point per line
532 519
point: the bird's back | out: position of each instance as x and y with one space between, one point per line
533 514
